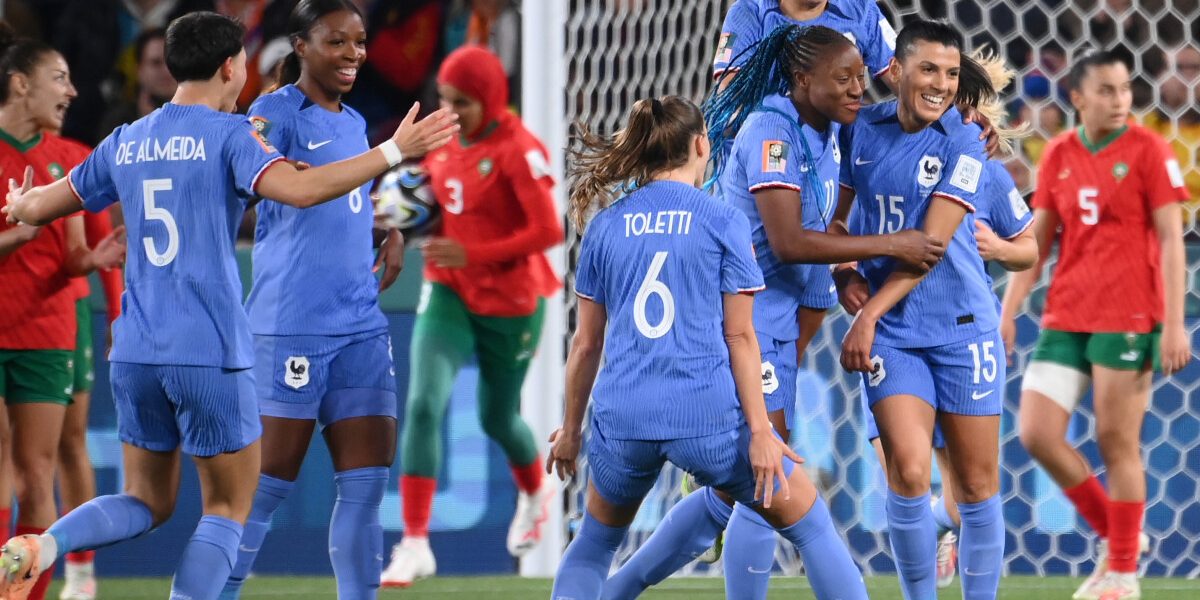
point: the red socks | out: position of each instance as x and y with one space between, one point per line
81 558
529 477
5 524
1124 525
1091 500
39 590
417 494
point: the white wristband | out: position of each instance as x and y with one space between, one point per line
391 152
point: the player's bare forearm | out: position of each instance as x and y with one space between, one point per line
284 183
13 238
79 257
583 363
745 360
1020 284
1019 253
42 205
1168 225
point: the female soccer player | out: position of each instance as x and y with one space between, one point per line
781 172
663 272
38 326
1107 192
322 352
927 343
183 174
486 275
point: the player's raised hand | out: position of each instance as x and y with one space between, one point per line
417 138
852 289
989 243
564 450
1176 349
989 136
110 252
856 346
16 194
390 259
766 458
915 248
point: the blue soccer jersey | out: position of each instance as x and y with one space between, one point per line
895 175
660 260
749 21
312 266
183 175
1003 208
774 149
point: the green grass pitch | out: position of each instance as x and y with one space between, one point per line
515 588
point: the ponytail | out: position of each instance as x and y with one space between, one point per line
1000 76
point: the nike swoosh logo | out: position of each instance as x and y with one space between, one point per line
754 571
858 162
974 574
978 396
243 548
315 145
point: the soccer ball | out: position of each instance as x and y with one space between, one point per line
406 201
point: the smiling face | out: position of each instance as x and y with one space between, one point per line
333 52
49 92
926 81
835 86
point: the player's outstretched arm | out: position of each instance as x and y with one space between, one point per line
284 183
82 260
14 237
941 220
39 205
1020 284
1176 345
583 362
1018 254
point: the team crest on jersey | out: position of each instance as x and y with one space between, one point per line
770 381
1120 170
485 167
878 373
774 156
929 170
56 171
296 371
725 48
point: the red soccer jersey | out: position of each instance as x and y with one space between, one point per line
1108 277
37 307
496 200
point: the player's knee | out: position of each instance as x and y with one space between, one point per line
909 478
977 487
422 416
1118 445
1037 440
497 424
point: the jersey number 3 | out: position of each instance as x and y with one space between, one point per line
157 213
651 286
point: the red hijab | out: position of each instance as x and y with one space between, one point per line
476 72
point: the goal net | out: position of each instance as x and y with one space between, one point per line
621 50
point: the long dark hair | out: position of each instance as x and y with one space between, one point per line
17 55
974 82
299 26
657 137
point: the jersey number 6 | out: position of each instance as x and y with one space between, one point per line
156 213
652 286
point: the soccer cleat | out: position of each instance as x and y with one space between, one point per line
1087 591
19 568
947 559
1116 586
532 511
79 582
412 559
713 554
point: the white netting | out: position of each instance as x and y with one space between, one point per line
621 50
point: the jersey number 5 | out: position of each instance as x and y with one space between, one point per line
1087 204
652 286
156 213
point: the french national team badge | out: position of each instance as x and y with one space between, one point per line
878 373
929 170
774 156
485 167
770 381
296 371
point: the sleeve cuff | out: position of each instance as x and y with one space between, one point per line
1018 233
775 185
259 174
750 291
955 199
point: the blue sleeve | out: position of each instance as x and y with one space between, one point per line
272 117
739 270
248 154
92 180
771 156
1004 210
880 44
741 30
587 272
965 160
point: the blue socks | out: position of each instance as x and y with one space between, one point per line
271 493
749 554
827 563
587 560
942 517
981 548
355 535
207 559
689 529
914 544
100 522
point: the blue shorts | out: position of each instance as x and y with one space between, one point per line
819 291
207 410
325 378
778 374
962 378
623 471
939 441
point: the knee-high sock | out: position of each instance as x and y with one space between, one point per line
207 559
100 522
690 528
914 544
270 494
587 560
831 571
749 554
355 535
941 516
1124 525
1091 500
981 548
